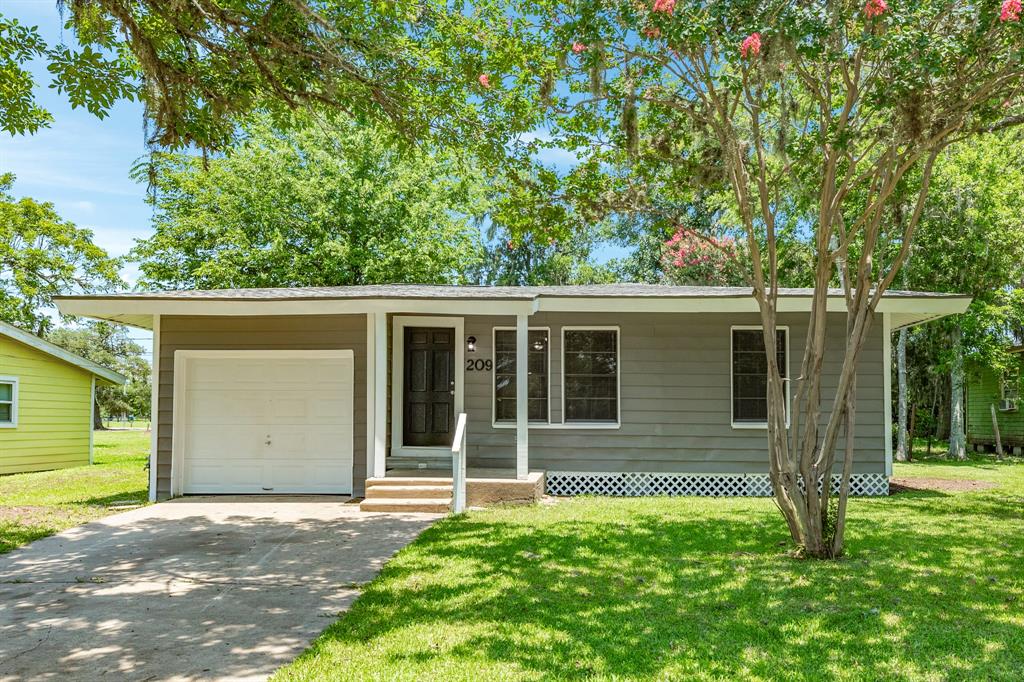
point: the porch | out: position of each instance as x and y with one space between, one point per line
431 490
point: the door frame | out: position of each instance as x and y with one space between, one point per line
399 323
180 385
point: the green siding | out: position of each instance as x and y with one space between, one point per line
983 390
54 411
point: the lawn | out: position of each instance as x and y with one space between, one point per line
35 505
932 588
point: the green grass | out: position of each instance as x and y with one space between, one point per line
932 588
38 504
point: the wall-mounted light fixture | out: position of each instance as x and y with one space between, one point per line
470 344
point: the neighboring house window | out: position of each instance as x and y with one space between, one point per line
750 375
591 375
505 376
1011 386
8 402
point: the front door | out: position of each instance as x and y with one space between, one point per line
429 400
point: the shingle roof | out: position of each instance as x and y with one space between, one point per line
436 291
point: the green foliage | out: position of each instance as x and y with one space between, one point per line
42 256
316 205
110 345
203 67
18 45
971 241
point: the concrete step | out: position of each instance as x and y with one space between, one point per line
408 491
418 462
421 504
411 481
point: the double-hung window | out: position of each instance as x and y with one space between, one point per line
8 402
750 374
1010 386
537 380
590 365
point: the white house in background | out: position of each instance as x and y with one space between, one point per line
630 389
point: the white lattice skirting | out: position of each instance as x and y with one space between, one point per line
699 485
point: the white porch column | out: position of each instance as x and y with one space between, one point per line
522 390
380 393
154 408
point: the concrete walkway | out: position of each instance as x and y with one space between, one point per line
199 588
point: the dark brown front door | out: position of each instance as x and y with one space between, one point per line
429 382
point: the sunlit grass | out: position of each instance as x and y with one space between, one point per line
932 588
38 504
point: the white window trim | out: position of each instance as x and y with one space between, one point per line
1008 380
399 323
618 378
494 370
13 380
786 382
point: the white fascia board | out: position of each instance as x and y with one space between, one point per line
109 308
33 341
139 311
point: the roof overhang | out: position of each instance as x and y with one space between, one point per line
139 311
42 345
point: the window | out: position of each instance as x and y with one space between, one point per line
505 376
591 375
8 402
1010 386
750 375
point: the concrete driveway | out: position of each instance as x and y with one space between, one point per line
212 587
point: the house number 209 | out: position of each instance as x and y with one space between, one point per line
478 365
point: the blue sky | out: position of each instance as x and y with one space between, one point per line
81 163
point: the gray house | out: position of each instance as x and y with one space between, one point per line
631 389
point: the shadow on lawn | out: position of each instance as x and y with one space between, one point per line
924 591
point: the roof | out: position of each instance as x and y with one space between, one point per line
141 308
508 293
22 336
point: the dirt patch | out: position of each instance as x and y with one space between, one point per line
27 515
943 485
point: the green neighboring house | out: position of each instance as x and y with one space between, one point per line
47 398
987 388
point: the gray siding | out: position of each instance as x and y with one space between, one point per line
313 332
674 377
675 398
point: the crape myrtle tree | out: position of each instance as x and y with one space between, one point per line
832 103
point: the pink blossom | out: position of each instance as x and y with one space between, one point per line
751 45
1010 11
578 47
485 80
875 8
666 6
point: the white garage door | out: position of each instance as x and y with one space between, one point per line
266 422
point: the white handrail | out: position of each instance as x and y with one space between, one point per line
459 466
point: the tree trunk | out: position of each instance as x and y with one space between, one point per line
902 448
911 431
957 436
97 417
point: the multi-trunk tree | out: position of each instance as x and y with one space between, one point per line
821 108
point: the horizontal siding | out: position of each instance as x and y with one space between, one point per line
54 411
299 332
675 397
983 391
